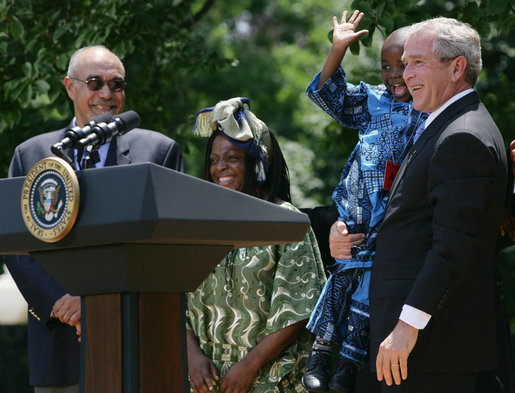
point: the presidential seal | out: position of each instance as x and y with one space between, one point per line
50 199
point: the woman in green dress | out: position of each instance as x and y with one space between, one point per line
246 321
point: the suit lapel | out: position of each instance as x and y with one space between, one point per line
450 113
118 153
428 133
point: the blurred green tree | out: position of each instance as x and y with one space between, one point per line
183 55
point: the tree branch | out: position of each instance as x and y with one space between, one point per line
197 16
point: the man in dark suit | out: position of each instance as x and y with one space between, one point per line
95 83
432 287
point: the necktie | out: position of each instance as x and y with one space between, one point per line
419 131
89 159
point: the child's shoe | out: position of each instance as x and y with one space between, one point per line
316 376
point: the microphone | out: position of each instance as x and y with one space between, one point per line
102 132
75 134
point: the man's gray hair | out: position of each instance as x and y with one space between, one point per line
73 60
453 38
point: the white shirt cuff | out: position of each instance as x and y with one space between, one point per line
414 317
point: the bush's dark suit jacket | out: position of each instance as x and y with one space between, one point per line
53 347
436 246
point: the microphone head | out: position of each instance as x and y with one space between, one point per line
103 118
129 120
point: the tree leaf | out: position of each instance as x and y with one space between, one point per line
367 9
16 28
62 62
380 8
19 89
12 84
59 32
494 7
387 22
27 69
42 86
3 125
26 96
24 4
354 48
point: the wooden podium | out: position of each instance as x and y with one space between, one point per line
144 235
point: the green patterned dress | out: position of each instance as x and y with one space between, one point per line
252 293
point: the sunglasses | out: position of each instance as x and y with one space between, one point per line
95 83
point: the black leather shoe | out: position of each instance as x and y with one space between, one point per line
316 376
344 377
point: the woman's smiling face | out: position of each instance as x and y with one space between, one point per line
227 164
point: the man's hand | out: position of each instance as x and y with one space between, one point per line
344 33
341 242
392 358
78 332
67 310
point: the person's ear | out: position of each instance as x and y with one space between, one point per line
70 87
458 66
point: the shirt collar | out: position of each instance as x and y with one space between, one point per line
455 98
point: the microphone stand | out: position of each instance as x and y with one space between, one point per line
99 132
61 154
90 159
90 147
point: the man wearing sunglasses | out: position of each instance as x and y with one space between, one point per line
96 85
95 82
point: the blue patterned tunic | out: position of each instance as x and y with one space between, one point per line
385 128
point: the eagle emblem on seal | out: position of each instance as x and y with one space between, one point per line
49 203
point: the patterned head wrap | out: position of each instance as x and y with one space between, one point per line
235 120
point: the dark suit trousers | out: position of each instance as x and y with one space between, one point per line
431 383
421 383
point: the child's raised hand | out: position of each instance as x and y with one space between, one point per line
344 33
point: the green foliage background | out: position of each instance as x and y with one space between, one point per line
184 55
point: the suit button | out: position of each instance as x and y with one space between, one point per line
438 306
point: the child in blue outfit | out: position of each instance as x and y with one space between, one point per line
386 122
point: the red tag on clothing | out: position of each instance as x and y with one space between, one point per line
389 175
